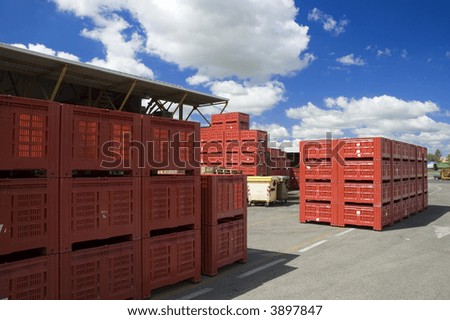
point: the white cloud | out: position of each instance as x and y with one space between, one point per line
44 50
404 54
376 116
385 52
210 38
248 98
275 131
447 54
328 22
350 59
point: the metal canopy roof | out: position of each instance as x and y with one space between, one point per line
36 64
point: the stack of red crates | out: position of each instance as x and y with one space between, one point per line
99 204
171 216
229 143
29 230
95 203
224 221
371 182
278 162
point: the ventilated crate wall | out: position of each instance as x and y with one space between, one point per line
29 134
224 221
98 139
170 258
371 182
73 215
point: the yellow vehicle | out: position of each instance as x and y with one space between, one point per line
442 174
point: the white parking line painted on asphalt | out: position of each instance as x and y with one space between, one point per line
439 189
344 232
312 246
263 267
196 294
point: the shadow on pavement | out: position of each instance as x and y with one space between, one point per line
233 280
424 218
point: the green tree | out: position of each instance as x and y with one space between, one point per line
438 155
430 157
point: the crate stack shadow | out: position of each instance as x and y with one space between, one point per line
372 182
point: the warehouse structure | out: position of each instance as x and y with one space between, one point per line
29 74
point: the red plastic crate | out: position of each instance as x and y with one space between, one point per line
211 134
398 190
29 134
397 169
170 258
316 149
373 170
232 158
212 159
425 200
375 217
110 272
397 150
223 244
252 159
211 147
413 187
253 146
420 203
231 121
231 135
170 144
99 139
254 135
30 279
372 193
319 212
280 172
170 201
317 169
223 196
318 191
29 215
251 170
375 148
294 176
398 209
419 186
99 208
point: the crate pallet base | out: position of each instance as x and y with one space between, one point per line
170 258
319 212
105 272
223 244
30 279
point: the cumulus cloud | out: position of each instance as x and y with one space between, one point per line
249 98
385 52
276 131
376 116
38 47
404 54
328 22
211 39
350 60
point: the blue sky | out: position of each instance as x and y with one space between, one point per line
301 68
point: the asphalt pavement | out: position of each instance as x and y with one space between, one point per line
289 260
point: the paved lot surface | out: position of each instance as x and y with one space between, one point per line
289 260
